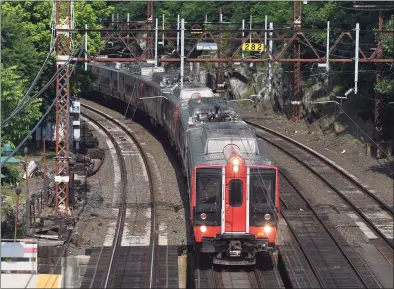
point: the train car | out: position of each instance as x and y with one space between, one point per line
232 184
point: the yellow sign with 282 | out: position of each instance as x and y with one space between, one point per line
253 46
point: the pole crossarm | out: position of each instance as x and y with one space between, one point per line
284 38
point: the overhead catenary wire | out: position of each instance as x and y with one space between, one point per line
35 79
43 117
26 103
51 49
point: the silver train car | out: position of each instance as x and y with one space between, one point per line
232 184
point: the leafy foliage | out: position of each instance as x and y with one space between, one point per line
386 86
12 90
26 38
13 174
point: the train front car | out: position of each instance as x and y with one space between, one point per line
236 208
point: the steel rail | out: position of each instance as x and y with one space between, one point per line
122 211
328 232
336 168
154 235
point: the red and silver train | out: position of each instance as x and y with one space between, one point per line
232 185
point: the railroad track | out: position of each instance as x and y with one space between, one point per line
308 226
263 275
378 215
125 264
333 262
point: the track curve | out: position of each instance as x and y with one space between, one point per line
338 179
110 258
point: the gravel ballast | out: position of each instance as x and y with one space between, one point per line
167 178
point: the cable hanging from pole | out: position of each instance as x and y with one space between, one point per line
51 49
22 106
43 117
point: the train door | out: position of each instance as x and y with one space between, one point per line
234 204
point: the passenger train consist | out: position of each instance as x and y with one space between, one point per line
233 186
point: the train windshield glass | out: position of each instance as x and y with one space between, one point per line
244 145
209 185
262 187
201 91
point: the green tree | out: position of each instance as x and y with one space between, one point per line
12 90
386 86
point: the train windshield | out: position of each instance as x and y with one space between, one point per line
262 187
208 196
196 93
262 195
209 184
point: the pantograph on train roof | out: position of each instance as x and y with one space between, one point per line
213 109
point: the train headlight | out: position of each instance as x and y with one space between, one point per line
267 229
203 229
235 165
203 216
267 217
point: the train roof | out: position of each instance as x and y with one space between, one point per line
208 141
165 78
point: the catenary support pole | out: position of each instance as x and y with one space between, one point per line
270 44
356 58
243 36
128 27
250 28
265 32
156 38
182 50
177 35
328 48
86 47
163 32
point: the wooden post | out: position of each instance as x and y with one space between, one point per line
368 149
182 271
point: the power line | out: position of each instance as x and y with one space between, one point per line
51 48
364 9
35 80
43 117
21 107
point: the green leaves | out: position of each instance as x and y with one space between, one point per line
13 87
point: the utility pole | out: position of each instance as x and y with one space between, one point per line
177 33
63 20
378 128
270 72
220 71
149 44
182 49
378 125
296 102
156 38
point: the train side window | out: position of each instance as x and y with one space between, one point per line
235 193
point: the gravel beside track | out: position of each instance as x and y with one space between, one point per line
373 173
372 210
171 199
263 275
93 223
333 261
335 199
